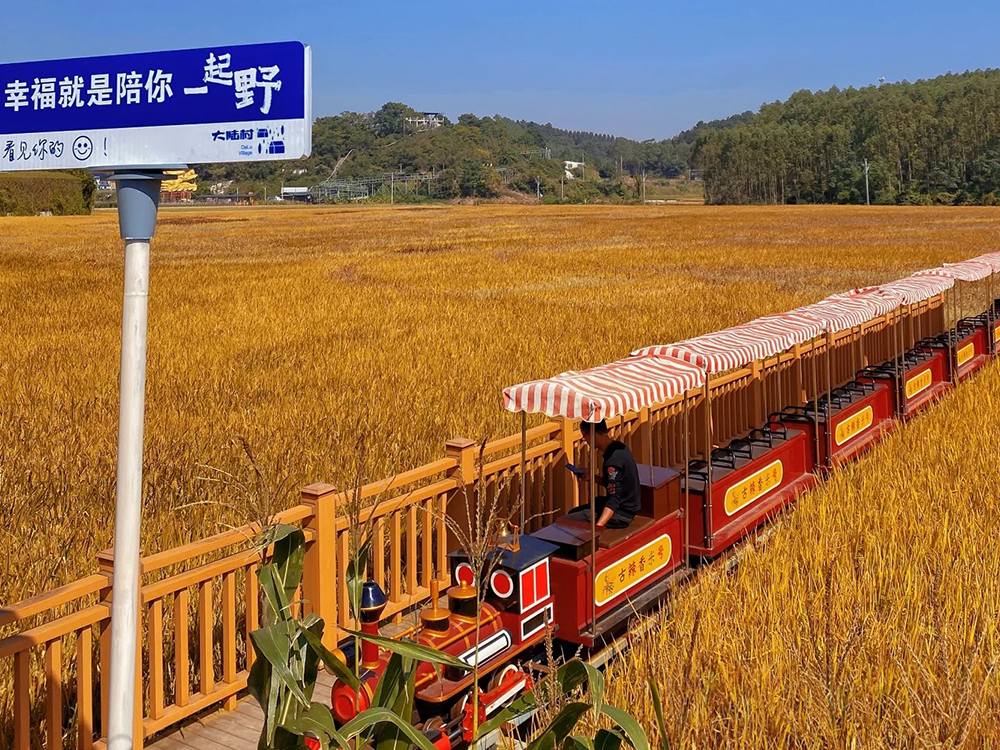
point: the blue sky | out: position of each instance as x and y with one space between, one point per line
643 70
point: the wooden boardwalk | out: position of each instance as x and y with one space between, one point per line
238 729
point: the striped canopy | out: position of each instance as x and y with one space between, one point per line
740 345
785 329
715 352
968 270
992 258
918 287
840 312
606 391
882 301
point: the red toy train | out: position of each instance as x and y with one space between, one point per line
586 590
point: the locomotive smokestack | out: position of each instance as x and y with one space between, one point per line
433 617
373 603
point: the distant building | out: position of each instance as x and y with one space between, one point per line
295 194
570 166
425 121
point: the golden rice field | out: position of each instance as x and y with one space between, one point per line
296 329
868 619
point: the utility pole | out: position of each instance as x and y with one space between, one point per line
538 188
392 188
561 196
644 186
868 201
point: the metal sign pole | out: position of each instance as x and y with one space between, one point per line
138 199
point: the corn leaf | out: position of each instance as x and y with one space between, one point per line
635 735
273 644
376 716
330 661
568 677
413 650
607 739
661 724
561 727
317 720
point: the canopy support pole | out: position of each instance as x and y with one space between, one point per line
990 318
686 527
524 456
898 363
815 399
593 536
829 397
709 536
953 337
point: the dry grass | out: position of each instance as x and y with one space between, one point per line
292 327
868 620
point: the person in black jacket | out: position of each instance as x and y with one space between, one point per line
619 478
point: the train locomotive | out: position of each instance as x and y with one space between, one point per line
582 585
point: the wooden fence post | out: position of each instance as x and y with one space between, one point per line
319 580
463 451
567 489
106 563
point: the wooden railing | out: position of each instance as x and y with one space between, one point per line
199 602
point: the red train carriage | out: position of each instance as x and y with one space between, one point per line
749 481
633 565
846 423
965 349
917 379
604 576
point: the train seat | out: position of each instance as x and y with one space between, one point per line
612 537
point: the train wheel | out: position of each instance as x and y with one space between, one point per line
433 723
502 675
458 709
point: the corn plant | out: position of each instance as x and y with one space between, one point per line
290 653
571 678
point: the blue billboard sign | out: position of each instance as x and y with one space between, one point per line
219 104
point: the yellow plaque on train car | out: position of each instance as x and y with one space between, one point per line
630 571
854 425
965 354
996 335
754 487
919 383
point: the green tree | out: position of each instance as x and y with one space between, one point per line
391 118
475 180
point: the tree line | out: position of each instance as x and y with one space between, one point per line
472 157
930 141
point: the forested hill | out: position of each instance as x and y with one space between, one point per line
932 141
469 156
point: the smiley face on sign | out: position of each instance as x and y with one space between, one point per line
83 148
